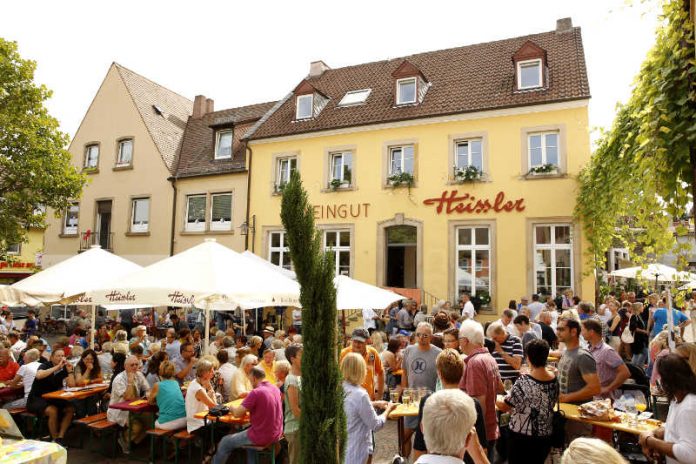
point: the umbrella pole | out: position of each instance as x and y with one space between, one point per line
207 325
243 322
94 323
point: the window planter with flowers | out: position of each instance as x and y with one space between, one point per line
399 179
336 184
278 188
467 174
543 169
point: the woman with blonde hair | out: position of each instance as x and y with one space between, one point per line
688 352
591 451
255 343
200 395
166 394
361 417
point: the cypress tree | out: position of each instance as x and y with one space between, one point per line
323 422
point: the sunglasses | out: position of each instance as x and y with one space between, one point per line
422 335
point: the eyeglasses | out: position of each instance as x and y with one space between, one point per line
422 335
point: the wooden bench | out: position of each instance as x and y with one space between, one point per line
154 435
103 428
85 421
180 437
263 451
16 411
32 423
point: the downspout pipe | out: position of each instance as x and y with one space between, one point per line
172 179
248 192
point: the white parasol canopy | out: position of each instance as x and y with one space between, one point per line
655 271
198 276
12 297
76 275
350 293
353 294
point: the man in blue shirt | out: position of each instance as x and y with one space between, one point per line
658 319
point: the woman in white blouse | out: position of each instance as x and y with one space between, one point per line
677 439
200 395
361 417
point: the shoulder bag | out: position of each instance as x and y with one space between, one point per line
627 335
558 422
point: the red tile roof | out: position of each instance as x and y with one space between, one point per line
465 79
197 150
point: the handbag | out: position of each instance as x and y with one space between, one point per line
627 335
218 411
558 422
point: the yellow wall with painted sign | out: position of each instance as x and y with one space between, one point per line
509 234
24 260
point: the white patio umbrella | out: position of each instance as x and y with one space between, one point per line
354 294
654 272
350 293
199 276
66 281
12 297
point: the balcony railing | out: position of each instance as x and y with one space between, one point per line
90 238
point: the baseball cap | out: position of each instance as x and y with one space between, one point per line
269 329
360 335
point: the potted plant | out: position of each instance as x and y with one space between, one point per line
467 174
335 184
401 178
278 188
548 168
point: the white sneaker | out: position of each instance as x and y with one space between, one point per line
123 444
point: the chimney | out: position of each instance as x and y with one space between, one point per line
564 24
199 106
209 105
317 68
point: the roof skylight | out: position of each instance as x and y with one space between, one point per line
355 97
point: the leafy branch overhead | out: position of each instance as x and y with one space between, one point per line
35 167
642 171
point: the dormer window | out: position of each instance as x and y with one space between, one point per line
355 97
223 144
305 106
406 91
529 74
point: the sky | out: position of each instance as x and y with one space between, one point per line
239 53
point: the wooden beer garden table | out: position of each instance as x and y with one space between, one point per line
77 393
10 393
227 419
398 414
572 413
139 406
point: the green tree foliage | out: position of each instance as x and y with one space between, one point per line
35 169
641 173
323 424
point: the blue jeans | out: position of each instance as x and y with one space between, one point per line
228 444
640 358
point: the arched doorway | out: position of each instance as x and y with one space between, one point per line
401 269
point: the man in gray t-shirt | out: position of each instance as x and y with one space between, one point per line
420 370
577 370
404 318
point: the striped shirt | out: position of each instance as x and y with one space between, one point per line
512 346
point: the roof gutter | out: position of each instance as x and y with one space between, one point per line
173 179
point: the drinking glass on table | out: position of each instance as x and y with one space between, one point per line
406 397
394 395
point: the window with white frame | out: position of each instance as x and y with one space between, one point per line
401 160
278 251
406 91
543 149
468 153
223 144
71 218
284 169
91 156
473 273
529 74
140 215
305 106
195 213
221 211
14 249
338 243
355 97
553 259
342 167
125 152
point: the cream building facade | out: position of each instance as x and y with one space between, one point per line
128 144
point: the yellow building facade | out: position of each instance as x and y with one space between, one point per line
23 259
508 232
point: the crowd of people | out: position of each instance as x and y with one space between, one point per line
488 391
